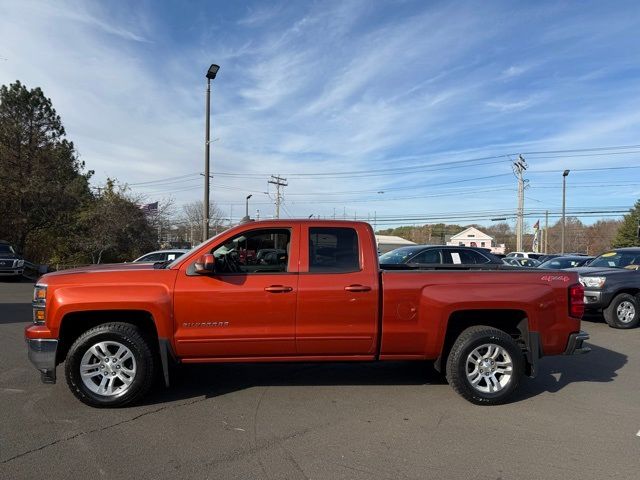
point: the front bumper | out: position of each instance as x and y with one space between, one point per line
575 344
14 272
42 353
597 299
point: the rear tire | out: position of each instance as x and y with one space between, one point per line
623 312
485 365
110 365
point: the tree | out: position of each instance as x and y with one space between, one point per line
42 181
192 220
426 234
600 236
114 228
627 235
502 234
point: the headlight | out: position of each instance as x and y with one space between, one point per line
39 304
20 263
592 282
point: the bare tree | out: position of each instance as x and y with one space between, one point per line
192 220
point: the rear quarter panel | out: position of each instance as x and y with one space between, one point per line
417 306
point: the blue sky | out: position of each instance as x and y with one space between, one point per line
324 87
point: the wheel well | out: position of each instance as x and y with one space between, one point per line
513 322
630 291
75 324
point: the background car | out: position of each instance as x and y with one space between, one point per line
161 255
549 256
612 285
11 264
568 261
521 262
524 255
439 255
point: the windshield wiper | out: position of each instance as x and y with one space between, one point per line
161 265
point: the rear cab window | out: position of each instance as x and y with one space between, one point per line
333 250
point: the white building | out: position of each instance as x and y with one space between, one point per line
386 243
472 237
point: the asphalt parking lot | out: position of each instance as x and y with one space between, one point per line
579 419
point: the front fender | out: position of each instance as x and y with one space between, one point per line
156 299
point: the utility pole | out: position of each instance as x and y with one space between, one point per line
519 166
564 191
279 182
546 231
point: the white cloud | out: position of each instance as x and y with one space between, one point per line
316 87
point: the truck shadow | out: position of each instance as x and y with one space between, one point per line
599 366
212 380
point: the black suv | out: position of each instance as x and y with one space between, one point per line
612 284
11 264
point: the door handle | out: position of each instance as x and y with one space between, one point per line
357 288
278 289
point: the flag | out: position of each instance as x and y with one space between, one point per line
149 207
536 237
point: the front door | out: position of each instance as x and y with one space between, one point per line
248 307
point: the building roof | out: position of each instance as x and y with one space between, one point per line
471 231
393 239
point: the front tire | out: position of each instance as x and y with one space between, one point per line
623 312
485 365
110 365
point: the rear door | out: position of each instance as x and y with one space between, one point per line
337 292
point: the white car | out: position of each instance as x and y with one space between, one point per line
524 255
161 255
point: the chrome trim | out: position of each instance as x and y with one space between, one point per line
592 296
42 353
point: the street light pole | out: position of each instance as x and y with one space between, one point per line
211 74
247 206
564 190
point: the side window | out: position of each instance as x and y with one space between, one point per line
428 256
464 257
257 251
333 250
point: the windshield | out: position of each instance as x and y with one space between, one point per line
616 259
561 263
397 256
6 249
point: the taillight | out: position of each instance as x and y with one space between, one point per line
576 300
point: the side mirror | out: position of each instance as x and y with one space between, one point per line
206 264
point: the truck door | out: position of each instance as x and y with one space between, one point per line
248 307
337 296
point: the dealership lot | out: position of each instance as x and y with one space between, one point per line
579 419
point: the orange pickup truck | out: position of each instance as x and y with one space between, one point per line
298 291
